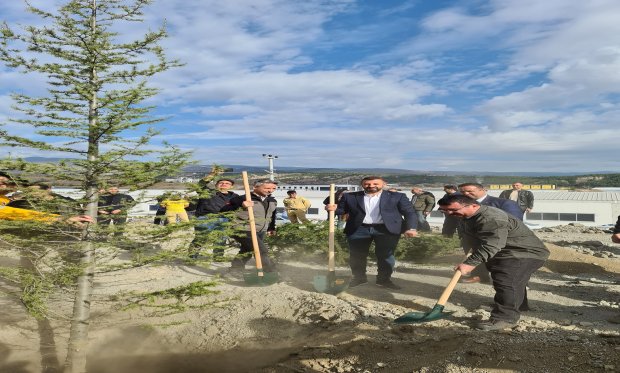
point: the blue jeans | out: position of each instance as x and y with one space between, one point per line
385 245
423 225
201 230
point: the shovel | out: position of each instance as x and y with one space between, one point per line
331 283
437 312
258 277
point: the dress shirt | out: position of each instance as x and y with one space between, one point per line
372 208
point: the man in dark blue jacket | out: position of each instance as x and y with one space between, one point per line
479 193
379 216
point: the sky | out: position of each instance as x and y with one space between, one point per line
428 85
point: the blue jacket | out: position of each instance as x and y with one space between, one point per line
507 205
396 211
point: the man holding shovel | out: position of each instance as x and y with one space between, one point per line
507 247
264 209
379 216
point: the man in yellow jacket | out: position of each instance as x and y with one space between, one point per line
296 207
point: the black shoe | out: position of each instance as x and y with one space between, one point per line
491 324
388 284
356 281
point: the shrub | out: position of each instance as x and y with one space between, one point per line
313 239
424 247
309 239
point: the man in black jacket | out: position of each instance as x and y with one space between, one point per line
524 198
209 209
615 237
508 249
450 223
113 207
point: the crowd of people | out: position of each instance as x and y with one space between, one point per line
500 249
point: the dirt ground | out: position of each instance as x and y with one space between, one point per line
289 327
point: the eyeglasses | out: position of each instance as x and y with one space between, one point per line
451 210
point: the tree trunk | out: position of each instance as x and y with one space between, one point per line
80 322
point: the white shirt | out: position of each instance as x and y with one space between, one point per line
479 200
372 208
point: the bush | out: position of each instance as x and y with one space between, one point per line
424 247
313 239
309 239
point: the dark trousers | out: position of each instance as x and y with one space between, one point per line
118 220
246 250
385 245
450 224
510 276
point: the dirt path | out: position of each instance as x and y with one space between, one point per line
288 327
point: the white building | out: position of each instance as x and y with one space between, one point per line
553 207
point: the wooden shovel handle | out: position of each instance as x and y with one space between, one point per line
443 299
331 263
248 198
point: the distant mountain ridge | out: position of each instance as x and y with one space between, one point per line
370 171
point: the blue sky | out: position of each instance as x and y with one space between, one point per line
500 85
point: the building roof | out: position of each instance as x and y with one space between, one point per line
576 196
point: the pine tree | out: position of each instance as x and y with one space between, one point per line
92 112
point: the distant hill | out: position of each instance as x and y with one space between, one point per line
383 171
236 168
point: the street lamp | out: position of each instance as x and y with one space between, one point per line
270 157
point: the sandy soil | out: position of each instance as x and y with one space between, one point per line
288 327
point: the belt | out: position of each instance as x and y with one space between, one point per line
372 225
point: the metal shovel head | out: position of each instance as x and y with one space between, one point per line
331 284
260 278
415 317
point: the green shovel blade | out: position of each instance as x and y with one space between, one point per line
260 278
331 284
415 317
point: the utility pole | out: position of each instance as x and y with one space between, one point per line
270 157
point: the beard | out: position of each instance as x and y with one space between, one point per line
372 189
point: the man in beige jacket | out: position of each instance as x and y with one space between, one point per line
296 207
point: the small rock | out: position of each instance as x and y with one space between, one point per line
573 338
381 365
586 323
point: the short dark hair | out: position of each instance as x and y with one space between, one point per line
373 177
223 179
457 198
291 192
264 181
477 185
450 186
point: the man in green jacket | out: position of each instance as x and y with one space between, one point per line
423 203
507 247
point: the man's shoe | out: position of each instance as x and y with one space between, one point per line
388 284
490 325
357 281
470 280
